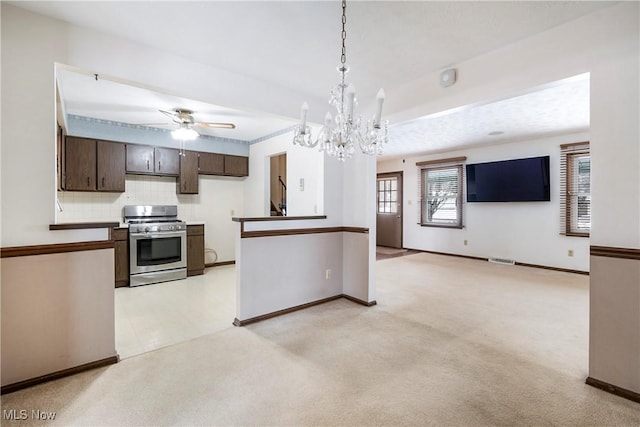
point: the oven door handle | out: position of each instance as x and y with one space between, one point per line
161 235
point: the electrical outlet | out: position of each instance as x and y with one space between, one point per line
315 209
570 252
301 184
327 274
466 243
409 202
233 212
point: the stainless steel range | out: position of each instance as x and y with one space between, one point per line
157 244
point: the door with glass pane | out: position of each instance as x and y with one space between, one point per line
389 210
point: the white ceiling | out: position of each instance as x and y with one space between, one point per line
295 44
560 108
84 95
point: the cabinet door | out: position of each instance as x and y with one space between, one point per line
167 161
211 164
121 254
80 164
111 166
195 255
188 181
120 237
236 165
139 159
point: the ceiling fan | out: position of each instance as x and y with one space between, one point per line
185 121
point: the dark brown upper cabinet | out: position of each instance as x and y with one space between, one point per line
110 166
188 180
167 161
80 164
211 163
236 165
91 165
146 159
140 159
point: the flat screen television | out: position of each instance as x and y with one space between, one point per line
520 180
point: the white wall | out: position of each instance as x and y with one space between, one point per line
526 232
279 272
302 163
57 312
614 332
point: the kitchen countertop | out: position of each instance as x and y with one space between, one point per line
104 224
82 225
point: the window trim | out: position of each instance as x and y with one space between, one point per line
567 152
385 176
432 165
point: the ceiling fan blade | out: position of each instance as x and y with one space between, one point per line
155 124
216 125
171 114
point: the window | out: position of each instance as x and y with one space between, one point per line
388 195
575 181
441 192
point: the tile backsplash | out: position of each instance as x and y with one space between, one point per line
139 190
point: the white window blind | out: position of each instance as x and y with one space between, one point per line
575 189
441 191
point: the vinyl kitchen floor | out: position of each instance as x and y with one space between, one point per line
155 316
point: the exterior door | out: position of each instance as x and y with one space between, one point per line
389 210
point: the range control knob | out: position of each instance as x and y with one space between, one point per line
146 229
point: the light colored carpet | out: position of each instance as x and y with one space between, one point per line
452 342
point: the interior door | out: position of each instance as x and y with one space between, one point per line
389 210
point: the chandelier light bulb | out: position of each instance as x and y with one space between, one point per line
380 99
303 114
351 95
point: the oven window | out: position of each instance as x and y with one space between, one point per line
159 251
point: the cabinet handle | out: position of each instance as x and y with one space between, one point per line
159 165
103 182
147 164
88 181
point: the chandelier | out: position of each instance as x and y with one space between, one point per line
341 133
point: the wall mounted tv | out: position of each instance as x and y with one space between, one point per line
520 180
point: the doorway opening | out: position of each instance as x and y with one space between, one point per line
278 186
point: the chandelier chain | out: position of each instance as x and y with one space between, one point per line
343 57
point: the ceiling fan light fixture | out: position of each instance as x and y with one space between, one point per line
184 133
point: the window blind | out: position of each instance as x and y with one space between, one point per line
575 189
440 185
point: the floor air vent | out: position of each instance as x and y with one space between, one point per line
502 261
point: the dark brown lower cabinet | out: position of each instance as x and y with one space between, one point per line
195 250
120 237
